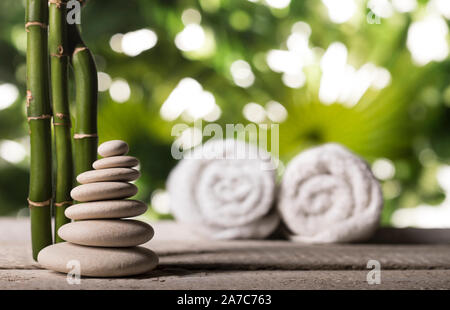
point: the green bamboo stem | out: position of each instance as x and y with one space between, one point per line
58 48
39 115
85 72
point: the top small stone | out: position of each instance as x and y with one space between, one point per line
113 148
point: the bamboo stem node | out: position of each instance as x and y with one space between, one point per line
79 49
63 203
68 124
85 135
58 3
29 98
62 116
60 52
39 203
44 116
28 24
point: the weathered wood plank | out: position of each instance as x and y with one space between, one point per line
282 255
188 262
411 236
272 255
197 254
200 279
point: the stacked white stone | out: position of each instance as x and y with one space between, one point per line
103 241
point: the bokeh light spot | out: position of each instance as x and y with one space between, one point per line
120 91
8 95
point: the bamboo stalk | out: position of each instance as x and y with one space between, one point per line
58 49
85 72
39 115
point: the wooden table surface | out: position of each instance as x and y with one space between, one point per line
410 259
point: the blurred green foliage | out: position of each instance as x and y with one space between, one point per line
407 122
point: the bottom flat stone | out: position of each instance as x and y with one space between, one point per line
98 262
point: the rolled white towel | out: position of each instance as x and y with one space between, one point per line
225 190
327 195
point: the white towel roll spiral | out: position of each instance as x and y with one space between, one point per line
327 195
225 190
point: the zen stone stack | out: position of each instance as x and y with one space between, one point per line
100 239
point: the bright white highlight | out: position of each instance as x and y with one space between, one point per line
301 28
340 11
383 169
297 42
214 115
440 6
427 40
116 42
381 8
404 6
335 57
191 16
242 73
136 42
292 61
204 105
120 91
382 78
297 80
104 81
12 151
8 95
276 112
189 138
189 96
333 65
284 61
160 201
191 38
342 83
254 112
278 4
